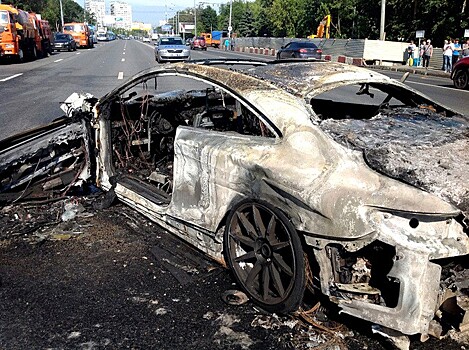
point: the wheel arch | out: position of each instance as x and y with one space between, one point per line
275 201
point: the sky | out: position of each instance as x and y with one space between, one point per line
152 11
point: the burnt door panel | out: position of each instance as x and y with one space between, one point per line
46 162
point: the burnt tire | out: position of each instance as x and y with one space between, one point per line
461 79
265 255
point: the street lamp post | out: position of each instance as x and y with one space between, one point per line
195 20
383 15
61 15
229 20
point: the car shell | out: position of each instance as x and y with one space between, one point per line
291 190
460 73
64 42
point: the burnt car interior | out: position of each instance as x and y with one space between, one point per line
144 121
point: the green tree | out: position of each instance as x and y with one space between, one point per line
246 25
208 19
286 16
262 23
237 13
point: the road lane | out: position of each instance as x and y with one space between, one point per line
33 98
34 90
440 89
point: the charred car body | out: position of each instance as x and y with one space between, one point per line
257 166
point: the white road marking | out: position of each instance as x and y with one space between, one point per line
123 60
78 53
60 59
12 77
120 76
123 53
431 85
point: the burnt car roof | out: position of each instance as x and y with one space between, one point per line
301 78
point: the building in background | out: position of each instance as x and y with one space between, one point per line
122 12
98 8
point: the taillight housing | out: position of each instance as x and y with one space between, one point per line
319 51
303 50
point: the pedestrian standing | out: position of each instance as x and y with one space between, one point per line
427 53
447 56
232 44
421 51
411 53
456 51
465 49
227 44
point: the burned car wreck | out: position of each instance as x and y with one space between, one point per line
297 176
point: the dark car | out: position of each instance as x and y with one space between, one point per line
64 42
198 43
299 49
460 74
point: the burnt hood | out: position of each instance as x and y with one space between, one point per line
414 145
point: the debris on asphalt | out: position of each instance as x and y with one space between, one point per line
234 297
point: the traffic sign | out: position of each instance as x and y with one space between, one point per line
230 28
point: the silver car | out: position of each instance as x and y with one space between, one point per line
171 49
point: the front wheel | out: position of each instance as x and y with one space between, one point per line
461 79
264 252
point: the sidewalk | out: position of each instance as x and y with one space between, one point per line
430 71
414 70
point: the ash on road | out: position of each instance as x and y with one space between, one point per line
110 279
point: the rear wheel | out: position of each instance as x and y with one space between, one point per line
461 79
264 252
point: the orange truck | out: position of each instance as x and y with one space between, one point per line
213 39
23 35
80 32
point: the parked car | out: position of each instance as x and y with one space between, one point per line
64 42
198 43
300 176
300 49
460 73
146 39
171 49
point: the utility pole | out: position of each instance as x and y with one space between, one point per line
195 20
61 15
383 15
229 20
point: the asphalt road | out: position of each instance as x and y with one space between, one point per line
32 91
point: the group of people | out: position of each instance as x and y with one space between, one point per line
452 52
422 54
229 44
